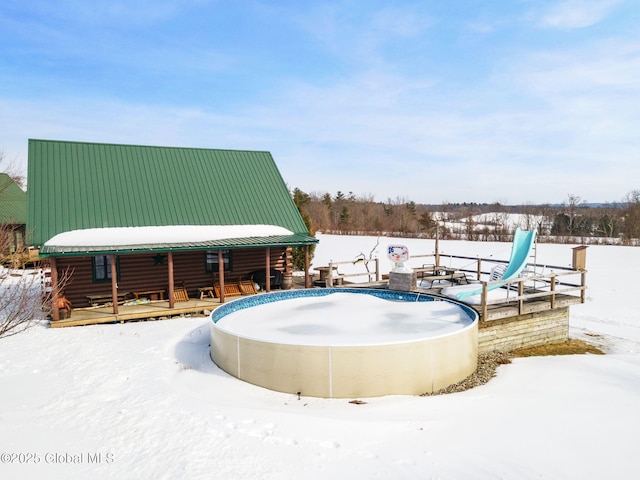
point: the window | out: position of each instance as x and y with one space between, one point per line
211 259
101 267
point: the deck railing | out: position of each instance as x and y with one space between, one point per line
548 286
332 273
556 281
551 284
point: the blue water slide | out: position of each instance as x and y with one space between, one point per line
523 241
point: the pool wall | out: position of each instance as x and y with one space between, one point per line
405 368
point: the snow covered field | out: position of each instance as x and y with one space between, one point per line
143 400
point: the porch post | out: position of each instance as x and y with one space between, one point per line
267 273
55 311
307 279
171 282
114 284
221 274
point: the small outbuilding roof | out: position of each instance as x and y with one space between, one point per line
87 187
13 202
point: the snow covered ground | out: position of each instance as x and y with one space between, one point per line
143 400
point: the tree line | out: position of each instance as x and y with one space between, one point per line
574 220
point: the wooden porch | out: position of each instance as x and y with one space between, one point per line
157 310
139 296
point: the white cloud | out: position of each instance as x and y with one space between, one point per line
577 13
402 22
429 125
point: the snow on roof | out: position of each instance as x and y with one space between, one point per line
170 234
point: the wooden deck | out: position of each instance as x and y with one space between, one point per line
144 311
520 302
522 299
158 309
511 307
516 308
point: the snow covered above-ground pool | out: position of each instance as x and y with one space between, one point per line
346 343
345 319
145 401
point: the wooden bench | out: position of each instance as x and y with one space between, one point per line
230 289
98 299
241 287
152 294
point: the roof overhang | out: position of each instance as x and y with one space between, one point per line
129 240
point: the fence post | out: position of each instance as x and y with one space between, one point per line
520 294
377 269
484 301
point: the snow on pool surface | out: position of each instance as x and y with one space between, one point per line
345 319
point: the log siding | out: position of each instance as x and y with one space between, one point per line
138 272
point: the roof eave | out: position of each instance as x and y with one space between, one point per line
294 240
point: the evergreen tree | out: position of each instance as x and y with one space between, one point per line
302 201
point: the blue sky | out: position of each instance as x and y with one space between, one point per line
513 101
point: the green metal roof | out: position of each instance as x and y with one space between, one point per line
76 186
13 202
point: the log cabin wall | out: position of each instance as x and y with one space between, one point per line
76 278
150 271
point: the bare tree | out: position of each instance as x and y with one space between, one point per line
24 297
632 217
10 169
363 258
575 220
545 219
21 300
